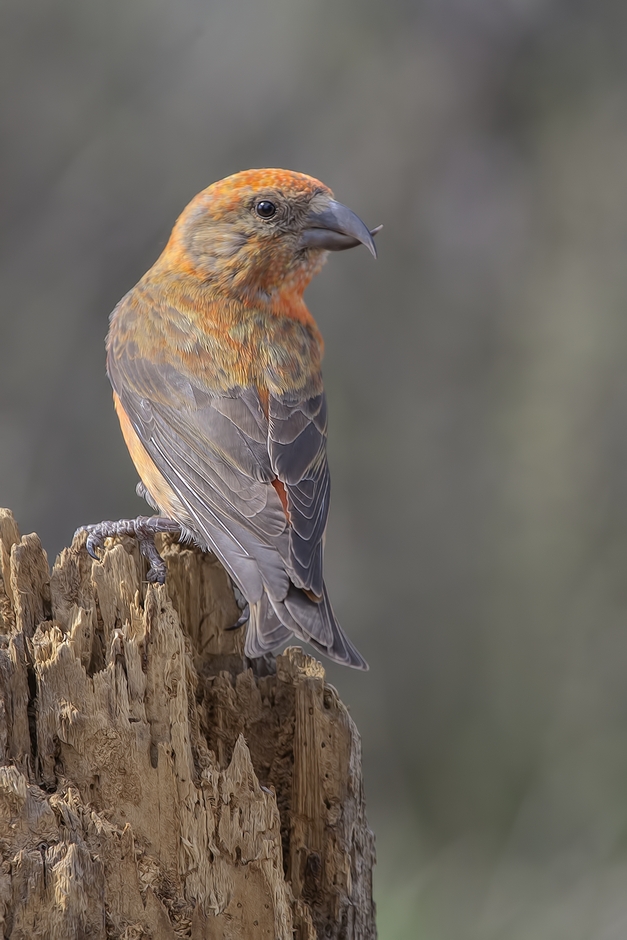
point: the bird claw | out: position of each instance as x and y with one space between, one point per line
243 618
144 529
242 603
94 544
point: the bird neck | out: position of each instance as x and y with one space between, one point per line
231 299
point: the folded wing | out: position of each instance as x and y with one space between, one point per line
220 454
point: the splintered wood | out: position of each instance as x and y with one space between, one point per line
152 785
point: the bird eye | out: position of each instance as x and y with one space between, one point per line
266 209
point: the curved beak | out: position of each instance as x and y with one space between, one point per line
334 227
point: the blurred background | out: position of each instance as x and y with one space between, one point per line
476 376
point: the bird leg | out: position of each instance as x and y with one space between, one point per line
144 529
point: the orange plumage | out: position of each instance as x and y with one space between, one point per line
215 363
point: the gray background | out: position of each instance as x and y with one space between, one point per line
477 550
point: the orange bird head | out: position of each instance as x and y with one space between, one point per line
260 233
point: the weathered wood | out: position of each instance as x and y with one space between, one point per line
152 784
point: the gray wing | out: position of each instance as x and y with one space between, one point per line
220 454
212 451
297 447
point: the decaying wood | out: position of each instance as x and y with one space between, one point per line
151 784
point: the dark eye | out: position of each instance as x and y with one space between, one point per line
266 209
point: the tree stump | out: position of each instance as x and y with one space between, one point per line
153 782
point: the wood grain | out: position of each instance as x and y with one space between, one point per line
153 784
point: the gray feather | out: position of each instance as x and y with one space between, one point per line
265 631
219 454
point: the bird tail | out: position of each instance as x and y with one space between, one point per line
265 631
340 648
272 622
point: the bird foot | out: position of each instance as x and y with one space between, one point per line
242 603
144 529
244 617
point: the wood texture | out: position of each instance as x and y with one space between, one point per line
152 785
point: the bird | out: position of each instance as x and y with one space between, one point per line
215 364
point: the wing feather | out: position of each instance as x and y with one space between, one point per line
297 447
220 453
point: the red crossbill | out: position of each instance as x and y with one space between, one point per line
215 365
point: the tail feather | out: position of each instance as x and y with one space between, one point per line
265 631
316 620
315 624
341 649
